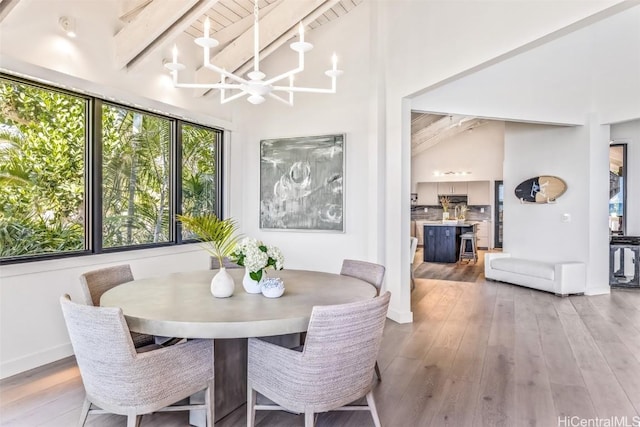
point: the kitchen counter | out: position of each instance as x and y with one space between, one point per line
441 224
442 240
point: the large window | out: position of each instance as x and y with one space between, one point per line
199 177
42 152
135 177
139 167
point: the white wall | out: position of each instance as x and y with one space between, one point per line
531 230
344 112
536 231
480 152
629 132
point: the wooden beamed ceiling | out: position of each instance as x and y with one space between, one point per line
153 24
427 129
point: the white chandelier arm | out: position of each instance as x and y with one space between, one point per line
224 100
291 72
307 89
203 85
283 100
255 87
224 72
207 63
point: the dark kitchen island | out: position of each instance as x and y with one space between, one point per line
442 240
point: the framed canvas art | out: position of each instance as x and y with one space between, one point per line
302 183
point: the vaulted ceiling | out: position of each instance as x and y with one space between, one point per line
152 24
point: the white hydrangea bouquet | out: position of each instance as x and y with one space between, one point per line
256 256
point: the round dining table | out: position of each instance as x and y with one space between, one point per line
181 305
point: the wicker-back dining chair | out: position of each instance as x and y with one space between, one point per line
369 272
119 380
334 368
96 282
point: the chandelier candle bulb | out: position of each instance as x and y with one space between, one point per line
334 60
301 32
207 26
175 54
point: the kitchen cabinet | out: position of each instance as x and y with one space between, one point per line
442 242
419 232
482 235
428 193
452 187
478 193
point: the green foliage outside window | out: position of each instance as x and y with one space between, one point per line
43 173
198 172
42 140
135 177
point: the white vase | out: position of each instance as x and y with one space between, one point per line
222 284
250 285
445 215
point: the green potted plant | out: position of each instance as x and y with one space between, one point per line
219 238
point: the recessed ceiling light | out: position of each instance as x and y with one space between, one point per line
68 25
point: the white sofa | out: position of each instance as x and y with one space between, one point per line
560 278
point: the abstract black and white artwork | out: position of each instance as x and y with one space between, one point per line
302 183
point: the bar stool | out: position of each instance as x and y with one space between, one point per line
468 254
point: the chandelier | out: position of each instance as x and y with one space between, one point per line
256 87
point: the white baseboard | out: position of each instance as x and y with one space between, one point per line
400 316
34 360
598 291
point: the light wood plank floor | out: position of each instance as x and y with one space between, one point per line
478 354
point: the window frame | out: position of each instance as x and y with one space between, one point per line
93 237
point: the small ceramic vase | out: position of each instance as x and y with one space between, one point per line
272 287
250 285
222 284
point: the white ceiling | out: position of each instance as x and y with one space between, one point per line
593 70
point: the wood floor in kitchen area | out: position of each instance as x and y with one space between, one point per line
479 353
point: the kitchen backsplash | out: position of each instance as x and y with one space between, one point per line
434 213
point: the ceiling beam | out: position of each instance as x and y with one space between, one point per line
233 31
157 18
282 21
6 6
441 130
131 9
423 120
293 31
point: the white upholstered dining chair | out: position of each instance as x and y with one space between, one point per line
119 380
334 369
